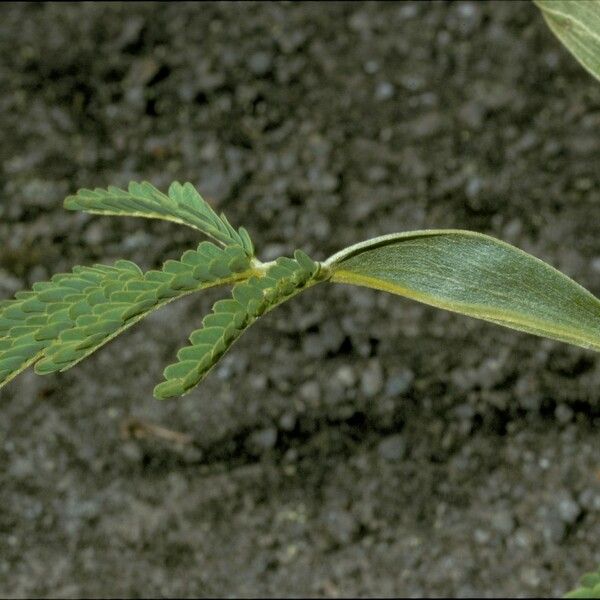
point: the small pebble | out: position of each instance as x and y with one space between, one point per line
392 448
346 376
568 510
262 440
384 91
399 383
260 63
341 526
310 392
502 521
371 381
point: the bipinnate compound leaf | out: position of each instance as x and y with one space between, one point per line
182 204
62 321
230 318
589 587
476 275
576 23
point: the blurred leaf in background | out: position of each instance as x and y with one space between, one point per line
576 23
589 587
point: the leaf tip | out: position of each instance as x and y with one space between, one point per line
169 389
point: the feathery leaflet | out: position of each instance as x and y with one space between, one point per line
230 318
182 204
62 321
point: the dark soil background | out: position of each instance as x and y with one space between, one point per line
353 443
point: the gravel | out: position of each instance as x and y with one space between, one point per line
353 443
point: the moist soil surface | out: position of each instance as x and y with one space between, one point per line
353 442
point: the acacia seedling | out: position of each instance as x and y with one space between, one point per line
60 322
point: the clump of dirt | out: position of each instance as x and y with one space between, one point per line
353 443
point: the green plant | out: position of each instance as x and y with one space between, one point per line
60 322
576 23
589 587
